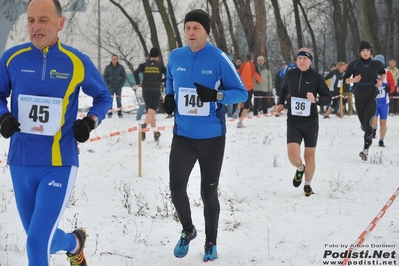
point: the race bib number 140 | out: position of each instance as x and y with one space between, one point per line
190 104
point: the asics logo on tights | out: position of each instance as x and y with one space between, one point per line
52 183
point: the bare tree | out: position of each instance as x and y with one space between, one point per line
168 26
260 26
369 27
298 25
236 48
217 26
340 27
151 24
312 35
174 23
390 29
349 12
283 37
244 12
133 23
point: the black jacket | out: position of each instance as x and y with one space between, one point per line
152 75
365 90
298 84
114 76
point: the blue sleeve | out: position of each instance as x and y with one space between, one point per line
235 91
94 86
169 77
5 87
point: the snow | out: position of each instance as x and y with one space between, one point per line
264 220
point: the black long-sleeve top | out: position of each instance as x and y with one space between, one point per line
152 75
298 83
369 70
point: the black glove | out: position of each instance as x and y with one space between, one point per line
8 125
206 94
169 104
387 89
82 127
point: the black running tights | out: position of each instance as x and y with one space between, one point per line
184 154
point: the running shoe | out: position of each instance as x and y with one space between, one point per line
157 134
298 177
79 259
240 125
381 143
236 114
143 133
363 154
181 248
210 251
308 190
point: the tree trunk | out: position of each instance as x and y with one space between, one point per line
151 24
391 29
298 24
348 12
340 29
282 34
312 36
369 24
168 26
245 15
217 26
174 23
236 48
260 26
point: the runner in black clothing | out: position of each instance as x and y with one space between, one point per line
364 72
301 87
152 71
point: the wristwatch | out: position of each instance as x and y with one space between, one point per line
95 119
219 96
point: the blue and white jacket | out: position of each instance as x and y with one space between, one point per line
44 88
209 67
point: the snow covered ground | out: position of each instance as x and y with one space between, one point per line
264 220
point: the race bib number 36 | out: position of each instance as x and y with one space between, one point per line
190 104
39 115
300 106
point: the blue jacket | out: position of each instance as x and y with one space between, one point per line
44 88
209 67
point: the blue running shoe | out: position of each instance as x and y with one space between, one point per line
210 252
182 246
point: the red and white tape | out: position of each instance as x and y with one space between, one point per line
360 240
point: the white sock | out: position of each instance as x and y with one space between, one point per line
300 169
307 183
77 246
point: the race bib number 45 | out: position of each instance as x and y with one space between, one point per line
39 115
300 106
190 104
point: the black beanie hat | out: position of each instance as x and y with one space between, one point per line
201 17
154 52
364 45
